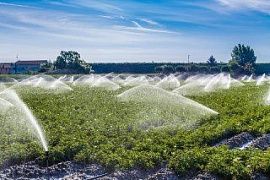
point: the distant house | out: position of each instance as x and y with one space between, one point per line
7 68
29 66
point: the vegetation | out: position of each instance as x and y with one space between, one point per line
166 69
243 60
225 69
91 125
71 61
46 67
180 68
143 68
212 61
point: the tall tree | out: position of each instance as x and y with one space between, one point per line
244 57
71 60
212 61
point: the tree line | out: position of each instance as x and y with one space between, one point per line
243 61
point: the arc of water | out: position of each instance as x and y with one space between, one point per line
38 82
5 105
62 78
212 83
261 80
229 81
15 100
244 78
71 80
250 78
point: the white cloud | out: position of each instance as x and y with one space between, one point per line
149 21
11 4
111 33
138 27
107 17
137 24
98 5
51 31
256 5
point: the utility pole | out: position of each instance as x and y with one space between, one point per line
187 67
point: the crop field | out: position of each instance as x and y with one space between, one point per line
99 125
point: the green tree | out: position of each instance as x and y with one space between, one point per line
71 60
235 68
212 61
60 62
245 58
225 69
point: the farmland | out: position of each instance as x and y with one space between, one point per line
91 125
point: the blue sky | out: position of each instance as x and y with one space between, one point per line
133 30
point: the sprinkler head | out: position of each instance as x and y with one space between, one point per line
47 158
46 153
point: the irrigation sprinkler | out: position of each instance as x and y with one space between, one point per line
47 163
47 158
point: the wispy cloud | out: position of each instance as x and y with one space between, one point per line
98 5
11 4
139 28
149 21
60 3
256 5
83 32
137 24
107 17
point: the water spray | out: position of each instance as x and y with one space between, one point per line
24 116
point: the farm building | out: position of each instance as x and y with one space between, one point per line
7 68
29 66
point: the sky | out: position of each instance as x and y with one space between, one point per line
133 30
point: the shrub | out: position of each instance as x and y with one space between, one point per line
215 70
180 68
167 69
194 68
203 69
225 69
